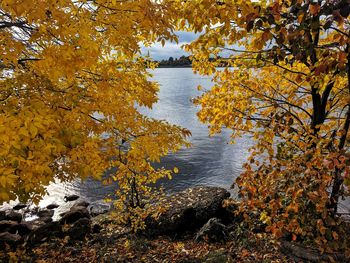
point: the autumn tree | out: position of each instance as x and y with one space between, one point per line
286 84
72 82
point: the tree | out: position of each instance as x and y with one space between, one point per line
72 81
287 84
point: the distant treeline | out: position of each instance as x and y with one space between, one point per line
183 61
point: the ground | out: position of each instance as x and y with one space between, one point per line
117 244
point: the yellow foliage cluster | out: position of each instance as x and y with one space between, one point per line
72 79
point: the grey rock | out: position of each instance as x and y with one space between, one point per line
19 206
69 198
79 229
6 225
99 209
21 229
213 231
2 215
46 219
45 213
36 223
81 203
44 232
187 210
52 206
14 216
74 214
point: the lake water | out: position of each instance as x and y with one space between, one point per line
210 161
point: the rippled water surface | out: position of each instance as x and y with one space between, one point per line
210 161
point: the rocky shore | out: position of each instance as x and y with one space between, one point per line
195 227
32 226
187 210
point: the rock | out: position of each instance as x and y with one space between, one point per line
99 209
21 229
81 203
36 223
19 206
79 229
52 206
68 198
9 239
45 213
102 220
46 219
14 216
213 231
74 214
44 232
187 210
2 215
6 225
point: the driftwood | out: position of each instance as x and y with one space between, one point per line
300 252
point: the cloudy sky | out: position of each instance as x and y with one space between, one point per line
158 52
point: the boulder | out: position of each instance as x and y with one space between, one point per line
44 232
81 203
52 206
45 213
46 219
21 229
19 206
6 225
213 231
79 229
36 223
99 209
9 239
187 210
14 216
68 198
2 215
74 214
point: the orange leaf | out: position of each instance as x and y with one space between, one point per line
315 9
335 235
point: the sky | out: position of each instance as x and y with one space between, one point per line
158 52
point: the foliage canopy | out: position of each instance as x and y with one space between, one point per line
287 83
72 82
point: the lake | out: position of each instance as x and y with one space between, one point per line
210 161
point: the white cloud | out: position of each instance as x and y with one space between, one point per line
158 52
170 49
